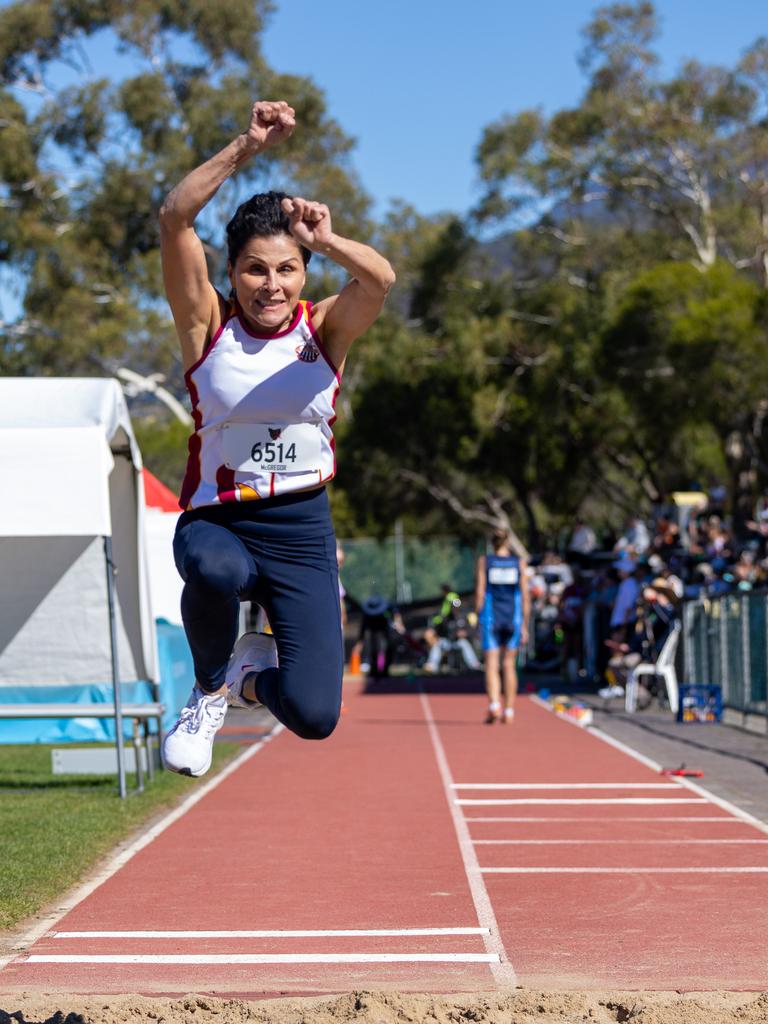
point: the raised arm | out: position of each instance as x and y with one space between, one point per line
193 300
342 318
479 584
526 595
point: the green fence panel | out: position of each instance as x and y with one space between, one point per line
407 569
727 645
758 649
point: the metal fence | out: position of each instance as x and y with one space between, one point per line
725 642
407 569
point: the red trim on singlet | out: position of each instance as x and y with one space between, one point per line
209 348
225 484
317 340
331 421
268 337
193 473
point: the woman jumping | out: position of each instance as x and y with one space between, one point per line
263 369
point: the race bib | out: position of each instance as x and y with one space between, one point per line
255 448
504 575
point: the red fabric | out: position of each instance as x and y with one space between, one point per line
157 495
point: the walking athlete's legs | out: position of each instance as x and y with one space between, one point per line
217 569
298 584
493 680
509 675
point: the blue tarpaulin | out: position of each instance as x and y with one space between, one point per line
176 679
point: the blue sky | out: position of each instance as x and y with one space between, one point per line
415 81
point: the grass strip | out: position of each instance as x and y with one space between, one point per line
54 828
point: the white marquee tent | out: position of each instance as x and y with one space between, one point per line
72 486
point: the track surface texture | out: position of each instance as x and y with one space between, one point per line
420 851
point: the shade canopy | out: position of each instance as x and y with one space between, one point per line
71 471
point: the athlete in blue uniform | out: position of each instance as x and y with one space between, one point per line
502 602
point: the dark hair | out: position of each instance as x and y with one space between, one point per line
499 538
261 216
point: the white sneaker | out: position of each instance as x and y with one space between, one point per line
188 747
253 653
611 691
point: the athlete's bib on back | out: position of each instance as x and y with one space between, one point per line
263 408
502 588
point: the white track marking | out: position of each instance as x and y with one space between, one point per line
266 934
608 842
124 855
501 968
616 821
635 800
733 809
226 959
622 871
563 785
694 787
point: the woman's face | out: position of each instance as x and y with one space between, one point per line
268 277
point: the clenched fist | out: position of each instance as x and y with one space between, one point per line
271 122
310 222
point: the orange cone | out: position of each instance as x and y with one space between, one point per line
354 663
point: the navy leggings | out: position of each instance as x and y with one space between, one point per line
281 553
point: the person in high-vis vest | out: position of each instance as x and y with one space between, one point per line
502 604
263 369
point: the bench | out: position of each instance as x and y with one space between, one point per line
142 715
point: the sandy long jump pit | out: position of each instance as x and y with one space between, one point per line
520 1007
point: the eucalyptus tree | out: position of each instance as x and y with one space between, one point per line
686 155
103 107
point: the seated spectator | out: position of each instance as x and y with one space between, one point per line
583 540
555 570
635 539
656 615
666 537
661 569
719 542
746 572
623 613
758 533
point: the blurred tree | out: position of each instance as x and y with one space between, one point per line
484 410
85 162
686 351
687 155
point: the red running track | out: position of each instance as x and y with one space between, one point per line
533 853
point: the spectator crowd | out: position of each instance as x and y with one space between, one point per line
604 607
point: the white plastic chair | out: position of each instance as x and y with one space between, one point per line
664 667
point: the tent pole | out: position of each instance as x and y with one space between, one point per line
115 673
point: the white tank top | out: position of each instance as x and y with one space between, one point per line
263 408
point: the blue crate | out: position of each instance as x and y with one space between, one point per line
700 702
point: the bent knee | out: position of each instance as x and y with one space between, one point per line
315 724
217 576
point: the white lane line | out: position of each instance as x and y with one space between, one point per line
121 858
612 818
694 787
608 842
622 871
272 934
269 958
726 805
564 785
635 800
501 967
